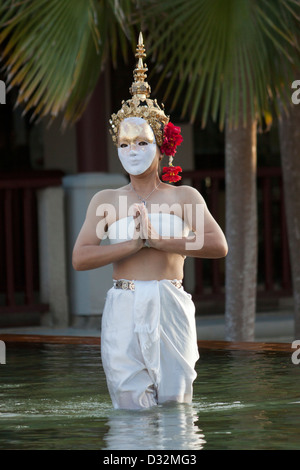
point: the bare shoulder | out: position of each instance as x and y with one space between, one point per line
106 196
102 203
189 195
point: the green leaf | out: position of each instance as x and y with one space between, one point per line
220 57
54 51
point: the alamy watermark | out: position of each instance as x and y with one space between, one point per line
296 354
296 94
178 224
2 352
2 92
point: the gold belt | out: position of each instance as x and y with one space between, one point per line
129 285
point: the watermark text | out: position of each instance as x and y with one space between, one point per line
296 354
296 94
167 220
2 352
2 92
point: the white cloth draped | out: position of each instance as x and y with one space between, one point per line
149 344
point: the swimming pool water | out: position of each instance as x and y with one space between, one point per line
54 397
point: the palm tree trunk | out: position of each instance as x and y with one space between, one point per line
241 232
289 132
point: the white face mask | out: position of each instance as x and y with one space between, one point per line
137 145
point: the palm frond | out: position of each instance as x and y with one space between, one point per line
215 53
53 51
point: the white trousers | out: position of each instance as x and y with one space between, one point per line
149 345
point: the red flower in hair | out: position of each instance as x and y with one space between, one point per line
172 138
171 174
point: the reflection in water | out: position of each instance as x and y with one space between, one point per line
243 400
172 426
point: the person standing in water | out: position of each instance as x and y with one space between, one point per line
148 335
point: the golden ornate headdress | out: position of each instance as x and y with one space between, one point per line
140 105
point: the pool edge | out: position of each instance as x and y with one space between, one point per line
95 340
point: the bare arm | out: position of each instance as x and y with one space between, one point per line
207 241
88 253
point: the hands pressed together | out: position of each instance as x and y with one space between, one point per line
146 233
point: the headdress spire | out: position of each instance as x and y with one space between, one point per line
140 87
